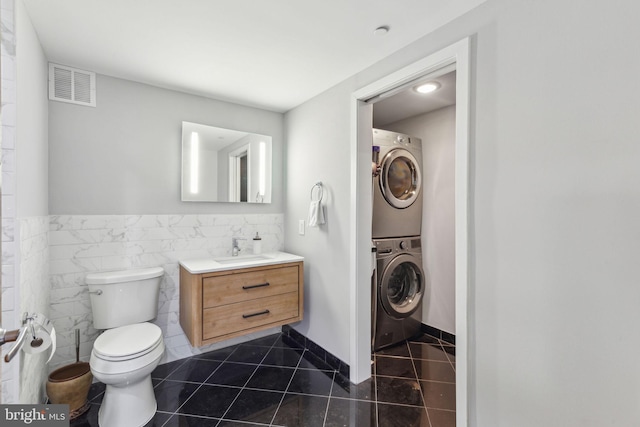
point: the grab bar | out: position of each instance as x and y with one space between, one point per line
22 336
8 336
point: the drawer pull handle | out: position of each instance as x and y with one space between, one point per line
261 285
246 316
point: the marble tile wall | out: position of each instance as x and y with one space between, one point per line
9 371
81 244
34 298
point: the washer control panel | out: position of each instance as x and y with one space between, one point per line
395 245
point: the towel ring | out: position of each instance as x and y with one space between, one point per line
319 186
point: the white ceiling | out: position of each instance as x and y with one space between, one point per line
272 54
409 103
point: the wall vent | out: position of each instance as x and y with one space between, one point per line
72 85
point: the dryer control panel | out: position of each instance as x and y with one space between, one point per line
388 138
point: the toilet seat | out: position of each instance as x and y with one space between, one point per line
127 342
127 349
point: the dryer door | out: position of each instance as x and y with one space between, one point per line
401 286
400 178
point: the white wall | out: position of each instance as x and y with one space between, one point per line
318 150
34 298
437 131
124 156
555 204
10 288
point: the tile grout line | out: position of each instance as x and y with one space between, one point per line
200 386
188 399
287 388
163 380
248 379
448 358
176 413
334 374
375 386
376 418
421 379
220 363
326 411
415 370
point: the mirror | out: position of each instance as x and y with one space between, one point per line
224 165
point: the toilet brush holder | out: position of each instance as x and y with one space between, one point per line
69 385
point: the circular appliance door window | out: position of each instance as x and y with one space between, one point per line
401 286
400 178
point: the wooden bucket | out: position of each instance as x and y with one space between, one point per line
70 385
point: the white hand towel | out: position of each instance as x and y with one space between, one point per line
316 214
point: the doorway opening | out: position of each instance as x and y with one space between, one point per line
239 175
454 58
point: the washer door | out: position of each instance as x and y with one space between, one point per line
400 178
401 286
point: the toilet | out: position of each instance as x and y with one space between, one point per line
130 348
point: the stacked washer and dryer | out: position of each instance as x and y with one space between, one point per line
399 283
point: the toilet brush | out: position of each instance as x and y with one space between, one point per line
77 345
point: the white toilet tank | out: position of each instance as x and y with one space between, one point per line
126 297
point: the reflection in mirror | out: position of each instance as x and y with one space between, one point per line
224 165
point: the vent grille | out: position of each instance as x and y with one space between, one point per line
72 85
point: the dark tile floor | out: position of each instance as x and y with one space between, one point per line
270 382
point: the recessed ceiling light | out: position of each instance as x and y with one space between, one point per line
381 31
427 87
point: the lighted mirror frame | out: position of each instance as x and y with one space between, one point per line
225 165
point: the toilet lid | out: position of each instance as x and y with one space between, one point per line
127 342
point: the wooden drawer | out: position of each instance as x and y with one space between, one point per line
238 287
212 304
232 318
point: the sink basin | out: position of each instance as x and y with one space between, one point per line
240 259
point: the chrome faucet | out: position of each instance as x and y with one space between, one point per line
235 249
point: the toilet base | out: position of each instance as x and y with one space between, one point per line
130 406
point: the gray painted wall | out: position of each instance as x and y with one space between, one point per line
124 156
31 116
555 204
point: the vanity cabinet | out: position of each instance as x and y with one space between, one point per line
219 305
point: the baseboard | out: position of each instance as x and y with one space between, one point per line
316 350
435 332
338 364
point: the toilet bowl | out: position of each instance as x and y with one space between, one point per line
123 359
130 348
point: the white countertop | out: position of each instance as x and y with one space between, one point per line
208 265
